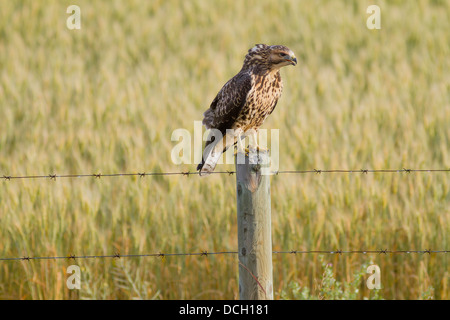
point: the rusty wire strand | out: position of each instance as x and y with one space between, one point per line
189 173
207 254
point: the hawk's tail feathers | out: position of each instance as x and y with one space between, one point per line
212 153
207 166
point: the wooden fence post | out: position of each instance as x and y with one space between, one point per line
254 228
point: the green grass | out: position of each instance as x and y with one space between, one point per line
106 99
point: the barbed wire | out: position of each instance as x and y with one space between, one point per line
189 173
207 253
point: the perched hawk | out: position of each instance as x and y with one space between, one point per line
245 101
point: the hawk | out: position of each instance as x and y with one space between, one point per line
244 102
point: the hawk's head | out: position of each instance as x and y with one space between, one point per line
269 57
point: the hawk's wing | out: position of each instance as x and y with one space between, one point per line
228 103
221 115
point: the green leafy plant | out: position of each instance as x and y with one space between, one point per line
329 288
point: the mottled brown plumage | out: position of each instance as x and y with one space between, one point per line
245 101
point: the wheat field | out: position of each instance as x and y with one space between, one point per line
106 99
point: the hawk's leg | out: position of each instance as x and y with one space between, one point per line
240 147
254 141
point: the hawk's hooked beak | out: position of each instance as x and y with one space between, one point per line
293 60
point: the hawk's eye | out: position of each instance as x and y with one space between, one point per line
281 54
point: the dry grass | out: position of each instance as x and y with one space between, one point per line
106 99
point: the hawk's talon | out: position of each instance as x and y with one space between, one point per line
262 150
246 151
249 150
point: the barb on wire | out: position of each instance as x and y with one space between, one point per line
206 254
71 257
189 173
